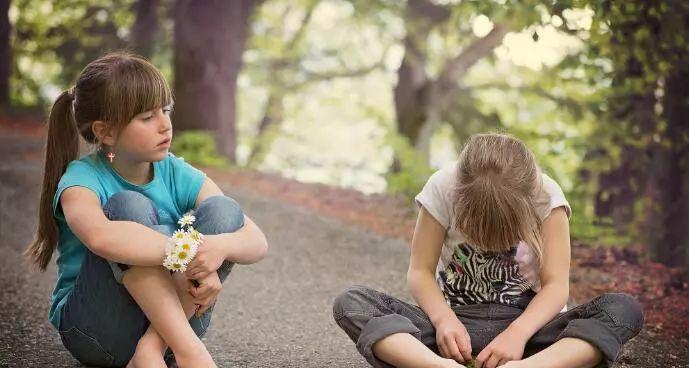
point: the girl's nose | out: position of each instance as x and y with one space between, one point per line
166 124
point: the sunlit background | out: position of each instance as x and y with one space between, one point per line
375 95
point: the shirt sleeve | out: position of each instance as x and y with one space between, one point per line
78 173
187 180
557 197
435 196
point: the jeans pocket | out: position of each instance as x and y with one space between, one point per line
85 349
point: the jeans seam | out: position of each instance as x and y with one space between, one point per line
356 313
74 329
616 321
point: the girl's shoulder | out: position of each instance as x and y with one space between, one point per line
445 177
185 178
551 196
177 165
85 165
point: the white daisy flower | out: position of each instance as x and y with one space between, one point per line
183 244
187 220
194 234
178 234
186 242
174 265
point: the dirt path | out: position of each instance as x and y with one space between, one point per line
273 314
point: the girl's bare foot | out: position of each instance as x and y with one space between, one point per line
448 363
144 358
513 364
198 358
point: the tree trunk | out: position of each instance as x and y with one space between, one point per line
419 99
146 27
273 115
5 55
669 182
622 186
411 94
209 43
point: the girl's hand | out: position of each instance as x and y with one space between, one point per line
207 292
453 339
506 347
209 257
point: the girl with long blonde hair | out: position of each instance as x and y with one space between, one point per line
489 269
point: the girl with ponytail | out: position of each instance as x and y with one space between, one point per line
111 215
489 269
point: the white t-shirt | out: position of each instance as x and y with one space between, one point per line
468 275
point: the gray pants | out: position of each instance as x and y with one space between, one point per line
101 323
367 316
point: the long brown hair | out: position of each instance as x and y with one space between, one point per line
112 89
499 188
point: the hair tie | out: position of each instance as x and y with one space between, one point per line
71 92
71 95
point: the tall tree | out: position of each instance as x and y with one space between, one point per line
646 188
669 175
5 54
209 43
146 27
422 100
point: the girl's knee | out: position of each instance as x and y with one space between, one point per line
129 205
624 309
353 299
219 214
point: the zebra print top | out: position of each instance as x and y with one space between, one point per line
473 277
468 275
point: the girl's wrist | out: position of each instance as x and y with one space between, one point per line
442 316
517 329
222 242
183 245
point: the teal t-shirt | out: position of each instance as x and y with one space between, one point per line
174 189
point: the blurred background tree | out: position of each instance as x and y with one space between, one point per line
375 95
644 187
209 44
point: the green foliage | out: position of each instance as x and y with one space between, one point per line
53 40
599 231
642 44
198 148
413 167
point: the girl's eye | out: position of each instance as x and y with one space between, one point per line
166 110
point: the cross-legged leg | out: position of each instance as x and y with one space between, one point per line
589 335
387 331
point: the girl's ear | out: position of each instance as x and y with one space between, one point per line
104 133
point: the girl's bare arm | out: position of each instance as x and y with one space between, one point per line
427 244
120 241
452 337
244 246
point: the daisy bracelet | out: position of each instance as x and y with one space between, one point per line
181 248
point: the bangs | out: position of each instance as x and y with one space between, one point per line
136 86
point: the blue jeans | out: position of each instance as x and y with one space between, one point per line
101 323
